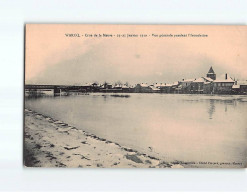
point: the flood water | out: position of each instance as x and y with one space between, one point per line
170 126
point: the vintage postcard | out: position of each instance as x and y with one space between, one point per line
135 96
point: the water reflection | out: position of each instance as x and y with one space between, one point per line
211 109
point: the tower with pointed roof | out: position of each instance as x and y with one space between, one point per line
211 73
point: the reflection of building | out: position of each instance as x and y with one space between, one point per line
211 109
223 85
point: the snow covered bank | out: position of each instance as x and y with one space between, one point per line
52 143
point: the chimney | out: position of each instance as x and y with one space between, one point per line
226 76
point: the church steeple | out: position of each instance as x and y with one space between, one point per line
211 73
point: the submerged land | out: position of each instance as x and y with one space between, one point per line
52 143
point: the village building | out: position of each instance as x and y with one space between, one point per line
118 86
202 85
223 85
125 88
131 88
159 85
169 88
107 85
142 88
211 74
91 87
240 87
154 89
145 88
122 88
87 87
166 88
184 86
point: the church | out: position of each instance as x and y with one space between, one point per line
211 74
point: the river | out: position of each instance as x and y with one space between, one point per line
200 128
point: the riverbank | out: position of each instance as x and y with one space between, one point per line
52 143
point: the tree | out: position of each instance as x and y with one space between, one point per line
119 83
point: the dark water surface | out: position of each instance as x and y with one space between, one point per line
170 126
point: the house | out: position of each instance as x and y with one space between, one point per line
184 86
143 88
87 87
154 89
118 86
159 85
166 88
131 89
125 88
107 85
169 88
223 85
240 87
202 85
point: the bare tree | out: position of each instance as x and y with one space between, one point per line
119 83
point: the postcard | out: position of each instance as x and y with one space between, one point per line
135 96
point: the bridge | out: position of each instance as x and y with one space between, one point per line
53 90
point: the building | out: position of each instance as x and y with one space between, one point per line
202 85
240 87
223 85
145 88
142 88
154 89
125 88
159 85
185 86
169 88
211 74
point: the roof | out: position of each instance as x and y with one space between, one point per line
236 86
154 88
125 86
175 83
211 71
203 80
144 85
188 80
199 80
159 84
118 85
241 82
209 79
169 85
222 79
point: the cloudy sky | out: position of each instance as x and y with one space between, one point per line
53 58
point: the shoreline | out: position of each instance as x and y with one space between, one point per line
52 143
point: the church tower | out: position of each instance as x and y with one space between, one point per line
211 73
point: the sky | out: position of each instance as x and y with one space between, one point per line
53 58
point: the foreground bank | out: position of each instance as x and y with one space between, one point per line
52 143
